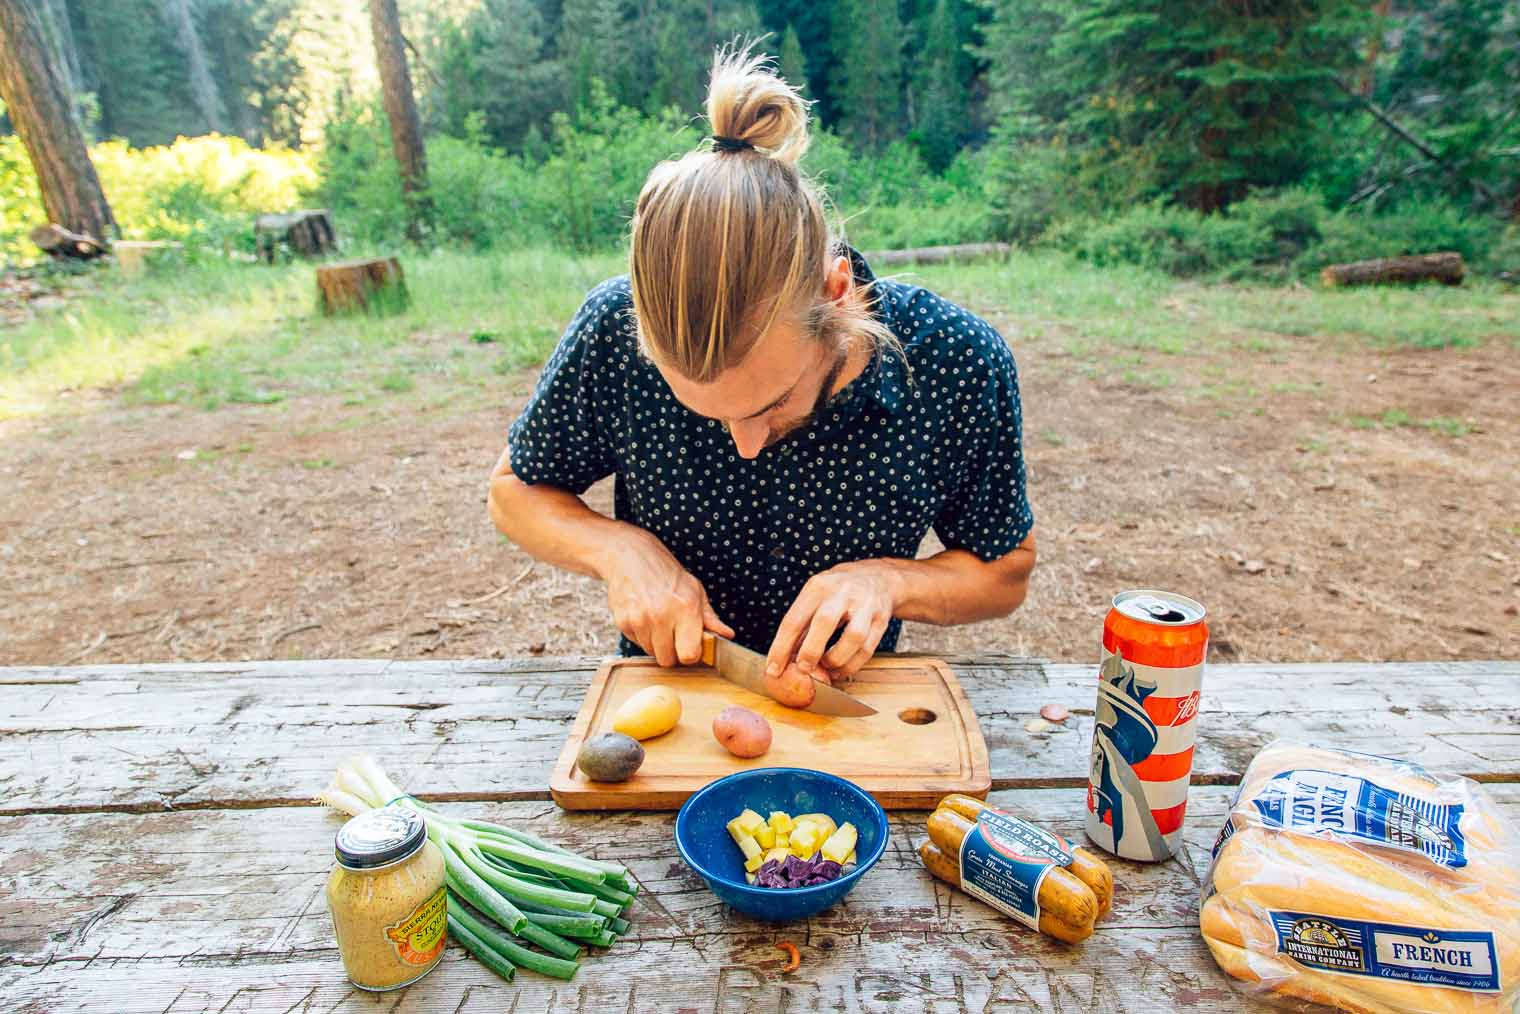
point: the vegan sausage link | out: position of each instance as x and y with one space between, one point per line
946 868
1085 866
1061 893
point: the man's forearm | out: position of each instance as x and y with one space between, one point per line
954 586
556 526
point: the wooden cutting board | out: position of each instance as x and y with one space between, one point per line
923 742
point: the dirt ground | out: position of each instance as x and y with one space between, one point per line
1344 503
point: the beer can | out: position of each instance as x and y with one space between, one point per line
1149 684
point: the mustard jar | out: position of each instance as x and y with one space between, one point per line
387 899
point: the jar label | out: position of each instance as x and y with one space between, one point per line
418 938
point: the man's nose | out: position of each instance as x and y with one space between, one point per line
749 437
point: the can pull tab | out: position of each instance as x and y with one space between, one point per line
1162 612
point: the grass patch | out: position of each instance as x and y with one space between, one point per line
1136 308
214 333
211 333
1398 418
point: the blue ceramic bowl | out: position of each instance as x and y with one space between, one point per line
702 836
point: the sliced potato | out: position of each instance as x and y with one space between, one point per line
754 863
749 878
840 844
750 821
743 839
781 821
780 855
783 839
766 836
823 820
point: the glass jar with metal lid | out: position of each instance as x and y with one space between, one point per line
387 899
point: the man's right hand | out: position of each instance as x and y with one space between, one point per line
656 602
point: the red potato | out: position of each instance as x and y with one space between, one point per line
742 732
792 687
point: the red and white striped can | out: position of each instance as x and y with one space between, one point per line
1149 685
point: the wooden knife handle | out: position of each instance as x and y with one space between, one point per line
709 650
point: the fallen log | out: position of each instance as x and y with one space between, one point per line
56 241
373 284
308 233
1446 268
938 254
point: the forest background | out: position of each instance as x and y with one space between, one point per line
1232 139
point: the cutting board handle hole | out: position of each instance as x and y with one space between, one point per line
916 716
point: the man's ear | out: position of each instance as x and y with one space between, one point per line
837 284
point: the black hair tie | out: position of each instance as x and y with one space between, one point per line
731 144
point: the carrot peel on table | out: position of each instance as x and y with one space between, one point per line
794 959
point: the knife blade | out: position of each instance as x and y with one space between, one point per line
738 664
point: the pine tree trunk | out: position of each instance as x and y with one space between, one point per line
43 116
401 110
208 98
60 34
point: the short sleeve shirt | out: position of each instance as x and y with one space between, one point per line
929 438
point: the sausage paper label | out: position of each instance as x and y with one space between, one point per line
1317 802
1003 861
1457 959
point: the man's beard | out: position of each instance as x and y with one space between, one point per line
825 392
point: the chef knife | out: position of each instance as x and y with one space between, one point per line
738 664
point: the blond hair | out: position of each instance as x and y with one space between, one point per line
729 239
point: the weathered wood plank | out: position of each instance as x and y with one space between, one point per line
246 734
222 910
123 887
892 972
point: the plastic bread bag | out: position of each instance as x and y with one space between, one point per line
1367 884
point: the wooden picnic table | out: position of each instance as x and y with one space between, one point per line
159 853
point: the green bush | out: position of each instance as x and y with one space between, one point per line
1409 228
200 191
1176 240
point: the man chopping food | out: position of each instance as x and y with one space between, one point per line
783 427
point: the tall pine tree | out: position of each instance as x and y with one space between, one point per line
791 62
1208 99
940 98
868 77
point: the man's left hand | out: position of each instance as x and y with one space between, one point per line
858 595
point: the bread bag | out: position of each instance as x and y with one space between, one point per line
1365 883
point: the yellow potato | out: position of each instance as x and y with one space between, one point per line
651 712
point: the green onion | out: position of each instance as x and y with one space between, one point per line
579 926
471 942
579 869
525 889
509 949
480 894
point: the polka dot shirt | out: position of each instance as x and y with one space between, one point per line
930 440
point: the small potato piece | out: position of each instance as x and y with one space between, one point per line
840 844
791 687
610 757
651 712
742 732
825 823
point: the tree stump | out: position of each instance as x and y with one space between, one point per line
1446 268
375 284
133 256
307 233
56 241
